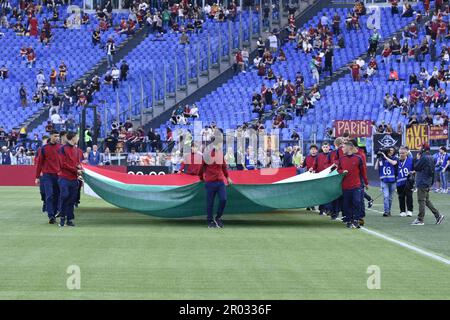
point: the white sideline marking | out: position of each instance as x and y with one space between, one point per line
406 245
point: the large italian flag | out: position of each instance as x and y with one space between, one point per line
181 195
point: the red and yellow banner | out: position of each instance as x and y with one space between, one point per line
416 135
438 133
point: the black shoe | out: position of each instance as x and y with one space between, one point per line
70 223
62 222
386 214
322 213
350 225
356 224
370 203
51 221
212 224
219 223
440 219
308 209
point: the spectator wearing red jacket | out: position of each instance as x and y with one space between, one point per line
352 165
68 178
214 172
47 170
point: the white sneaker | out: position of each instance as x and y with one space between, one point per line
409 214
402 214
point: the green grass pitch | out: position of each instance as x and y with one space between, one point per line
283 255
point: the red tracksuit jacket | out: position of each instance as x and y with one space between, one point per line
214 172
310 162
356 170
48 159
70 161
323 161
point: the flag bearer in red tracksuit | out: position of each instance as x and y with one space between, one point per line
310 164
323 162
336 154
48 164
352 165
213 172
68 178
193 162
364 194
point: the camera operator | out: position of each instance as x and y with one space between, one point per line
405 183
386 164
424 168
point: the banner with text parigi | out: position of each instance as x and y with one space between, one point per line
356 128
416 135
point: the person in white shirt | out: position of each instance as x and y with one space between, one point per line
143 6
324 20
115 73
207 9
273 43
360 62
40 79
256 61
245 57
194 112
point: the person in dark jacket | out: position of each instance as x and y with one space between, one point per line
124 68
287 158
424 168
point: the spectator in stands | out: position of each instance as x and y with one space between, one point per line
110 51
115 74
133 158
105 158
273 43
94 156
124 68
184 39
245 57
393 75
239 62
287 158
408 12
6 156
355 70
3 72
336 24
314 67
386 54
31 58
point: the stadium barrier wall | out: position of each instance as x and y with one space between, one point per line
23 176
